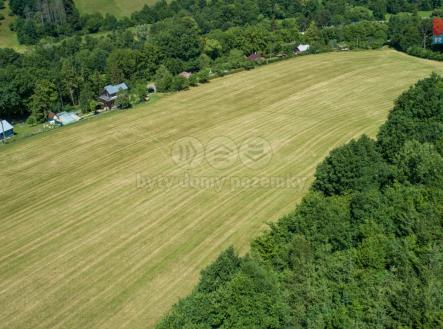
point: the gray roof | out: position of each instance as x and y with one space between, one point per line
6 125
114 89
67 117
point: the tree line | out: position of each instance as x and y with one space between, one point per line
412 34
55 18
168 38
363 249
71 73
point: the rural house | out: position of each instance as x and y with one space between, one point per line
110 94
6 130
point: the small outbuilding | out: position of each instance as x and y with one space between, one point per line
63 118
254 57
6 130
301 49
185 74
343 46
151 88
110 94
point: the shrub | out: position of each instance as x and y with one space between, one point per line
193 80
32 121
163 79
123 101
179 83
425 53
203 75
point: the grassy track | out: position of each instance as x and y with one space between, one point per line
116 7
81 246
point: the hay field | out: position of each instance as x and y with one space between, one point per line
93 234
118 8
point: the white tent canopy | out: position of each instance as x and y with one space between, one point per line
5 125
302 48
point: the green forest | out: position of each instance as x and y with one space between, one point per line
40 18
69 62
364 249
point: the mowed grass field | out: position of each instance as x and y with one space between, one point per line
8 39
83 245
116 7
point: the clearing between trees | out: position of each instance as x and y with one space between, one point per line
118 8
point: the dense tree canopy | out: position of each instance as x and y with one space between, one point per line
417 115
54 18
354 167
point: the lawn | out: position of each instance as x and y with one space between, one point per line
425 14
116 7
422 14
8 39
87 242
